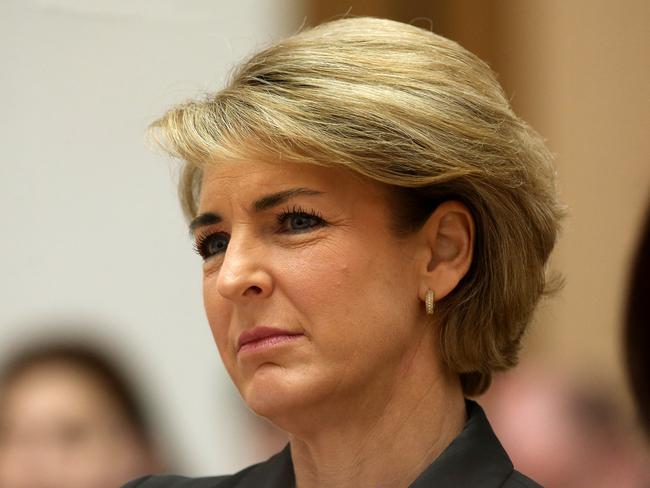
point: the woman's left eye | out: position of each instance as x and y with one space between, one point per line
299 221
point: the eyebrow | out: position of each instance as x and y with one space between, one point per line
260 205
204 219
270 201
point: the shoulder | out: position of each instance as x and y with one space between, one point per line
183 482
275 472
171 481
518 480
176 482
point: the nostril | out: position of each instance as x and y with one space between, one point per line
253 290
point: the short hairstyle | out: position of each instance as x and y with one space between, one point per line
408 108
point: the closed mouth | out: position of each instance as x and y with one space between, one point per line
264 336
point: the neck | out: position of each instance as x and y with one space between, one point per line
385 437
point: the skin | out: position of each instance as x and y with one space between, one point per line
59 428
362 393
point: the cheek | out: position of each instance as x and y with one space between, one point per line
359 313
218 312
316 278
345 290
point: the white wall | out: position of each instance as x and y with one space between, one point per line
91 229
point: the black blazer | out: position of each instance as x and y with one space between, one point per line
474 459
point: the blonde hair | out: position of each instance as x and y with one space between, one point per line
413 110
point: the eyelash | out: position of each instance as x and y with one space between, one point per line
202 241
297 211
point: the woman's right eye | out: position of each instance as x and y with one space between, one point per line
212 244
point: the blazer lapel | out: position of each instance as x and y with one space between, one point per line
474 458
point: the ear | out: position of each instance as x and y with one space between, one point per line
449 239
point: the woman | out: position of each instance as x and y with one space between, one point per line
374 223
70 419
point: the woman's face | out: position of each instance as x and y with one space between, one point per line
311 299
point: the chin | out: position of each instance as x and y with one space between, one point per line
275 394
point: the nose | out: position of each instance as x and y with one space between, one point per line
244 272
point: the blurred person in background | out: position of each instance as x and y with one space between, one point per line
374 222
637 326
566 432
69 418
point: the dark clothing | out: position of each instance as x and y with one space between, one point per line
474 459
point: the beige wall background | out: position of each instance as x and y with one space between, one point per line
579 71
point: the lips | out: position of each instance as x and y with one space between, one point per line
261 337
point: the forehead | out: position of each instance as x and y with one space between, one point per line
246 180
55 390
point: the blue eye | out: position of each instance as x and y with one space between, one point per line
212 244
298 220
302 222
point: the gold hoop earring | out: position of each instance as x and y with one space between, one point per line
430 301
